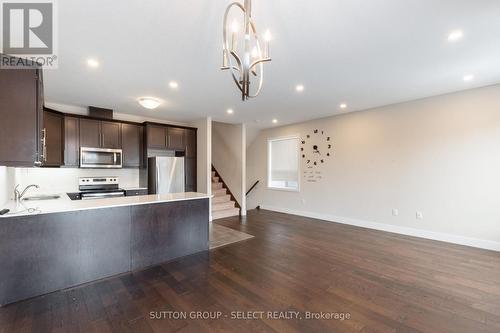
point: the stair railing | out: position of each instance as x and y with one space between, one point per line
253 186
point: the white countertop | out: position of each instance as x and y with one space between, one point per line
65 204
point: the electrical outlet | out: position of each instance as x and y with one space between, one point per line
395 212
419 215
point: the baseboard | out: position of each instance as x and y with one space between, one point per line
448 238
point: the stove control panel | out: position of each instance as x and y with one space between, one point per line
82 181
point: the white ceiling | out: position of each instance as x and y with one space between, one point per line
366 53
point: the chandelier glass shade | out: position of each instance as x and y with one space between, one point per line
244 59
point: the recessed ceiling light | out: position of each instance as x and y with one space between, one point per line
468 77
455 36
343 106
92 63
173 85
149 102
299 88
275 121
230 111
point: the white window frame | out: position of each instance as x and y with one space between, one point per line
297 137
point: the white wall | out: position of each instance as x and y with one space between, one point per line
204 156
228 152
83 110
439 156
62 180
4 185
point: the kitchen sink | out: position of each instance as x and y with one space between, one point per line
42 197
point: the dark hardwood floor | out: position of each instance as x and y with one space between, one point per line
385 282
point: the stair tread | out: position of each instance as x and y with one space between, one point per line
221 198
225 213
223 205
219 192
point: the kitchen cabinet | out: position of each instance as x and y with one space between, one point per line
175 138
71 141
156 136
90 133
53 142
165 137
100 134
190 174
21 114
132 145
136 192
111 135
190 143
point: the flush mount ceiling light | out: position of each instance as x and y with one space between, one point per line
299 88
275 121
149 102
92 63
230 111
468 77
455 36
173 85
343 106
246 67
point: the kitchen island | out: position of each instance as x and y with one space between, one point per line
56 244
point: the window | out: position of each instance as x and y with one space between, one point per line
283 163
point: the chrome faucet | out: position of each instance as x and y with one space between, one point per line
19 195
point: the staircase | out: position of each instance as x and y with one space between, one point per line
222 205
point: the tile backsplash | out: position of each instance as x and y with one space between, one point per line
62 180
4 185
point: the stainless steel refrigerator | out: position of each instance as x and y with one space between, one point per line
165 175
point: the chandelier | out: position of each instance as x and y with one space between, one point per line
244 63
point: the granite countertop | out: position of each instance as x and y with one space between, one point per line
65 204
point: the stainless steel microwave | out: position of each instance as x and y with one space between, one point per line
100 158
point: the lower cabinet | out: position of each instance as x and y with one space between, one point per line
43 253
136 192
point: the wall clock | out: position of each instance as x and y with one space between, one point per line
316 148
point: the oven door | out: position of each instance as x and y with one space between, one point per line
100 158
102 195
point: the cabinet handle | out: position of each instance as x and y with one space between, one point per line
44 145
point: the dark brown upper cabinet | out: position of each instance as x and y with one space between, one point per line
111 135
165 137
53 142
100 134
21 117
191 143
90 133
175 138
190 174
132 145
71 141
156 136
